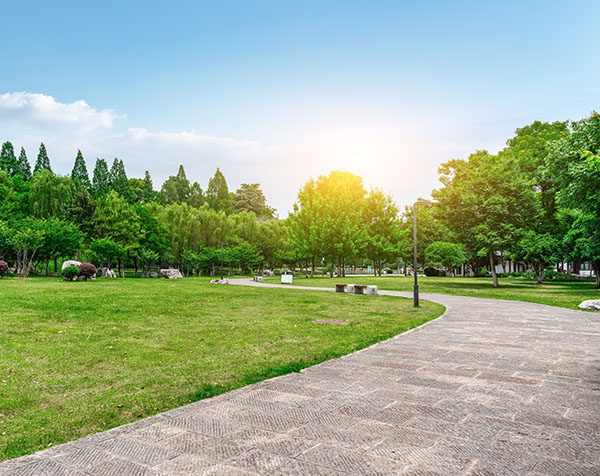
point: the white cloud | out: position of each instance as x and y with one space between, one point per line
40 111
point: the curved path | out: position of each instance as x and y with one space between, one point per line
490 388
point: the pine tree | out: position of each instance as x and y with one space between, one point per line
8 161
148 193
119 182
217 193
101 178
43 162
79 175
23 166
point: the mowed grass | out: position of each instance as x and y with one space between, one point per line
78 358
562 294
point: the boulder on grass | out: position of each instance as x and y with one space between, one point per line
219 281
171 273
591 304
70 262
108 273
153 274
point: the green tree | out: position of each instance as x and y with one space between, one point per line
217 193
445 254
79 174
578 184
101 178
23 165
119 182
148 192
386 240
61 240
42 162
106 251
250 198
176 188
485 203
50 194
27 240
8 161
197 198
80 211
137 187
538 250
116 219
15 203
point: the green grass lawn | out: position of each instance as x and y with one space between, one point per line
81 357
562 294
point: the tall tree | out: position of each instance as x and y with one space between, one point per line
119 182
176 188
485 203
217 193
79 175
250 198
578 182
148 193
8 161
50 194
23 166
42 162
101 178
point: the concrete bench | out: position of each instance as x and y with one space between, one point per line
359 288
371 290
340 288
258 278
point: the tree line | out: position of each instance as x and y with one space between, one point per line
536 201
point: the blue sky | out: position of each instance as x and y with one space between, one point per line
276 92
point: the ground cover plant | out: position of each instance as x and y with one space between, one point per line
562 293
77 358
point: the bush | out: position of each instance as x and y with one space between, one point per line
70 273
3 267
484 272
430 271
87 270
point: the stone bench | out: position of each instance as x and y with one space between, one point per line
340 288
258 278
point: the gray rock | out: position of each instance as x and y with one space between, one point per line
70 262
171 273
219 281
592 304
154 274
268 272
108 273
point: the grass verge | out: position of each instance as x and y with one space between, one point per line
561 293
81 357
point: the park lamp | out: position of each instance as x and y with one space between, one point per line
418 203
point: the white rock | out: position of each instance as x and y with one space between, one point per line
70 262
219 281
592 304
171 273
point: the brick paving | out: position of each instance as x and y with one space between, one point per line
491 388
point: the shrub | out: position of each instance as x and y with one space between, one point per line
3 267
430 271
70 273
87 270
484 272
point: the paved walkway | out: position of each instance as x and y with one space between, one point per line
491 388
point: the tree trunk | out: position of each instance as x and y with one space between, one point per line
539 273
596 266
55 266
312 267
493 268
47 266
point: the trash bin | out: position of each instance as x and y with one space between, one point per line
287 277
